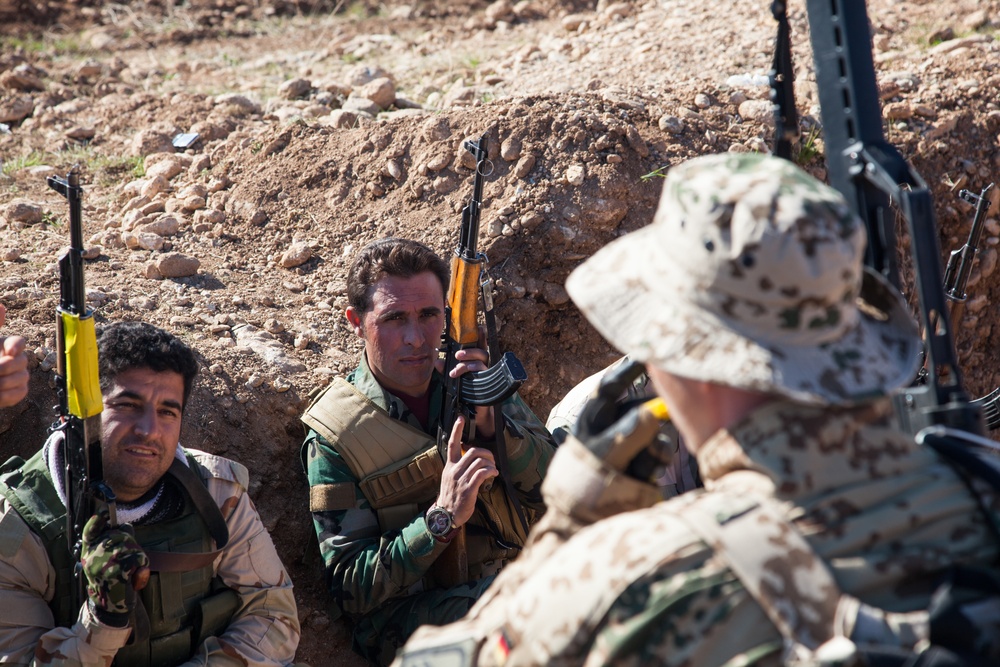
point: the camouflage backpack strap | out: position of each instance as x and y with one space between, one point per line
820 625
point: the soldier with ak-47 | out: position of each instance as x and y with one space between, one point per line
117 545
424 465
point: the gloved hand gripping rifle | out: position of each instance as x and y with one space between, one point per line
79 388
469 282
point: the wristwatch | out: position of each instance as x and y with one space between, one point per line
441 523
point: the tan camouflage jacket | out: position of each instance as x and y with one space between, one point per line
641 588
265 630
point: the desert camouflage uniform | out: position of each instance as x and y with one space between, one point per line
749 277
379 579
642 588
264 631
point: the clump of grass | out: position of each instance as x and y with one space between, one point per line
659 172
808 147
33 159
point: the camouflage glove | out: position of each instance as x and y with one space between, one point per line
110 557
624 435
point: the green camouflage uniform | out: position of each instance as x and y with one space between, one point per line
377 578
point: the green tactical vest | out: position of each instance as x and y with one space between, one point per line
184 604
399 472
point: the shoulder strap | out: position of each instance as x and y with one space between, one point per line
166 561
793 585
362 432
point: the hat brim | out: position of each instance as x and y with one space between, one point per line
628 293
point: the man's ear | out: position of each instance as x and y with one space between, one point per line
356 320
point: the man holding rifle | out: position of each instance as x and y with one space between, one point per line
400 514
822 530
181 572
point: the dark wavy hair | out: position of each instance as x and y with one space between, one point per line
123 346
391 256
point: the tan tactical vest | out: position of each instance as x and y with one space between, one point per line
399 468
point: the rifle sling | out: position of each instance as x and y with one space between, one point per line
492 341
165 561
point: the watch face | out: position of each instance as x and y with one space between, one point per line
438 521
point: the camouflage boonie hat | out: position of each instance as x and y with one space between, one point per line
751 276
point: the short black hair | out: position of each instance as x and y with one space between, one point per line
123 346
402 258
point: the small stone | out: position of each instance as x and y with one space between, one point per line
294 89
297 254
147 241
381 91
575 174
177 265
273 326
510 149
761 111
524 166
671 124
22 213
150 271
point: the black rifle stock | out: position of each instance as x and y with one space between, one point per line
872 174
78 386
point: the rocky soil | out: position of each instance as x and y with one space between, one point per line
323 125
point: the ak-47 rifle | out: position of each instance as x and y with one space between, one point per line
872 175
78 387
956 279
956 274
470 281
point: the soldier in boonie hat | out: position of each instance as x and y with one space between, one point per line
774 351
751 276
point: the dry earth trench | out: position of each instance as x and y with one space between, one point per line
324 125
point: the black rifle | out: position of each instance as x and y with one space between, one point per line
469 282
872 175
78 387
956 280
956 274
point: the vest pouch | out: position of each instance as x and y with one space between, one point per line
214 613
414 480
13 463
174 649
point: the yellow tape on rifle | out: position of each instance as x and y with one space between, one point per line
83 386
658 408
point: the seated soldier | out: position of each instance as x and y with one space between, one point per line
411 533
217 592
822 530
